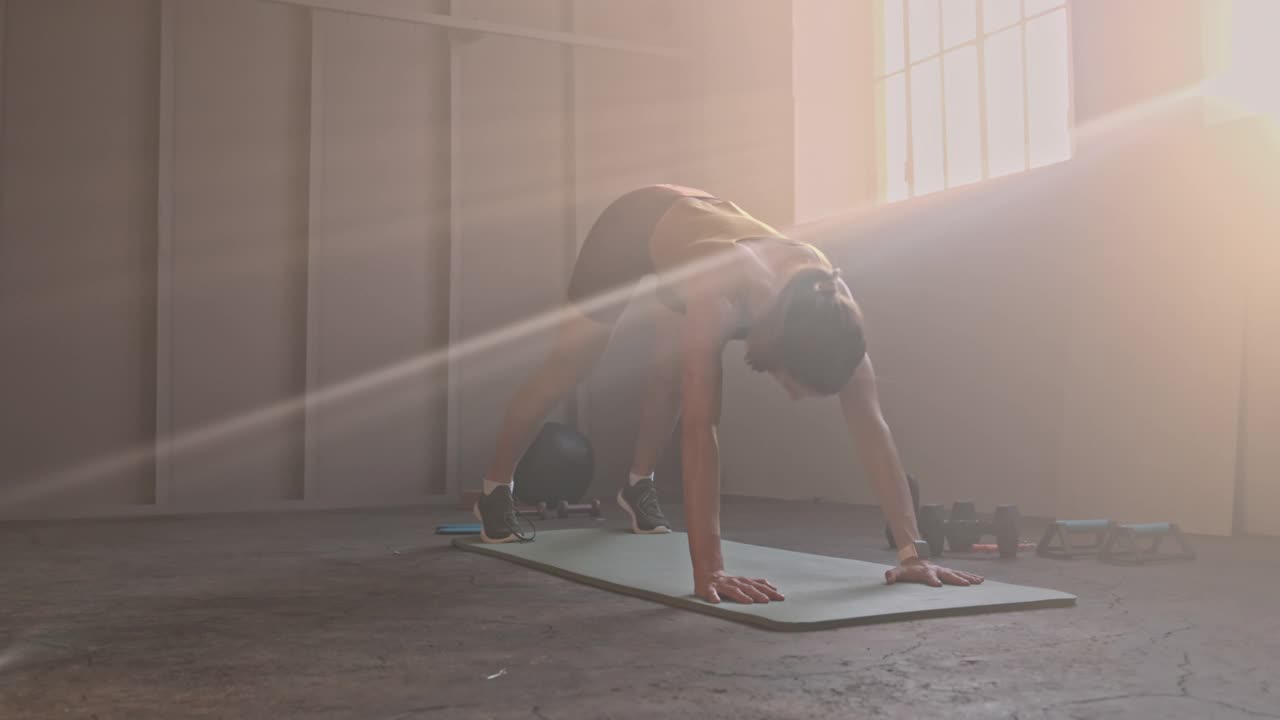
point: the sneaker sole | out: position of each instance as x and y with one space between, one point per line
475 510
660 530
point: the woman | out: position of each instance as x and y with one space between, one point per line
723 275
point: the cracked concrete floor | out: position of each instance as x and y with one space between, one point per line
365 614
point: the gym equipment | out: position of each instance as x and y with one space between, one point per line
537 511
822 592
458 529
1122 545
995 548
565 508
1057 540
963 529
915 504
932 520
558 465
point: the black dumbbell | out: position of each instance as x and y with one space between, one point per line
962 527
933 528
1005 526
565 508
538 511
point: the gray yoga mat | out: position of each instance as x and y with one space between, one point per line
822 592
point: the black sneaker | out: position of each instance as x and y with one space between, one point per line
641 503
497 515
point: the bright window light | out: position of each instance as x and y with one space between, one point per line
964 116
926 127
1006 132
970 90
1251 52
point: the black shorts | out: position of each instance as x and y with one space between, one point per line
615 254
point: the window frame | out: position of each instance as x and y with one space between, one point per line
978 42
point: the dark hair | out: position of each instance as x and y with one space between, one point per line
813 332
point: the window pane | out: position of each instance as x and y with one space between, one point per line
926 127
1047 90
893 135
964 134
1035 7
892 40
923 18
1000 13
1005 140
959 21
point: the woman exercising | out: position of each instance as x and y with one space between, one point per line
722 275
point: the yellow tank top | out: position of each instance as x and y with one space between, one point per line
698 220
694 220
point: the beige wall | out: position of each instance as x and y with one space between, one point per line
1068 340
206 208
1258 220
1152 388
831 74
269 199
77 249
238 247
511 233
257 229
1132 51
380 258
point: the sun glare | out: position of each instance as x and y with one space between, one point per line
1247 53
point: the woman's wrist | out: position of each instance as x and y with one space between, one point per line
707 564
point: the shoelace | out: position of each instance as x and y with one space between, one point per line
648 501
513 522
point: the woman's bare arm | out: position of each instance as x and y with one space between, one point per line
708 324
860 402
701 377
874 442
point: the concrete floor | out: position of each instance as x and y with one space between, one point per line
367 615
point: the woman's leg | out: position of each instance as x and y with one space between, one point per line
661 406
579 343
658 413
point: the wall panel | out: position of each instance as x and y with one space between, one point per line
511 229
77 253
237 311
380 260
1153 370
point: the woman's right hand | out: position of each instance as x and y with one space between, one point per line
717 585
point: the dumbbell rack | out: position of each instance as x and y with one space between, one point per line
963 529
542 510
562 509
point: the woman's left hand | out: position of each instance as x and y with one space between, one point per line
926 573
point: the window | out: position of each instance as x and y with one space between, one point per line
969 90
1241 39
